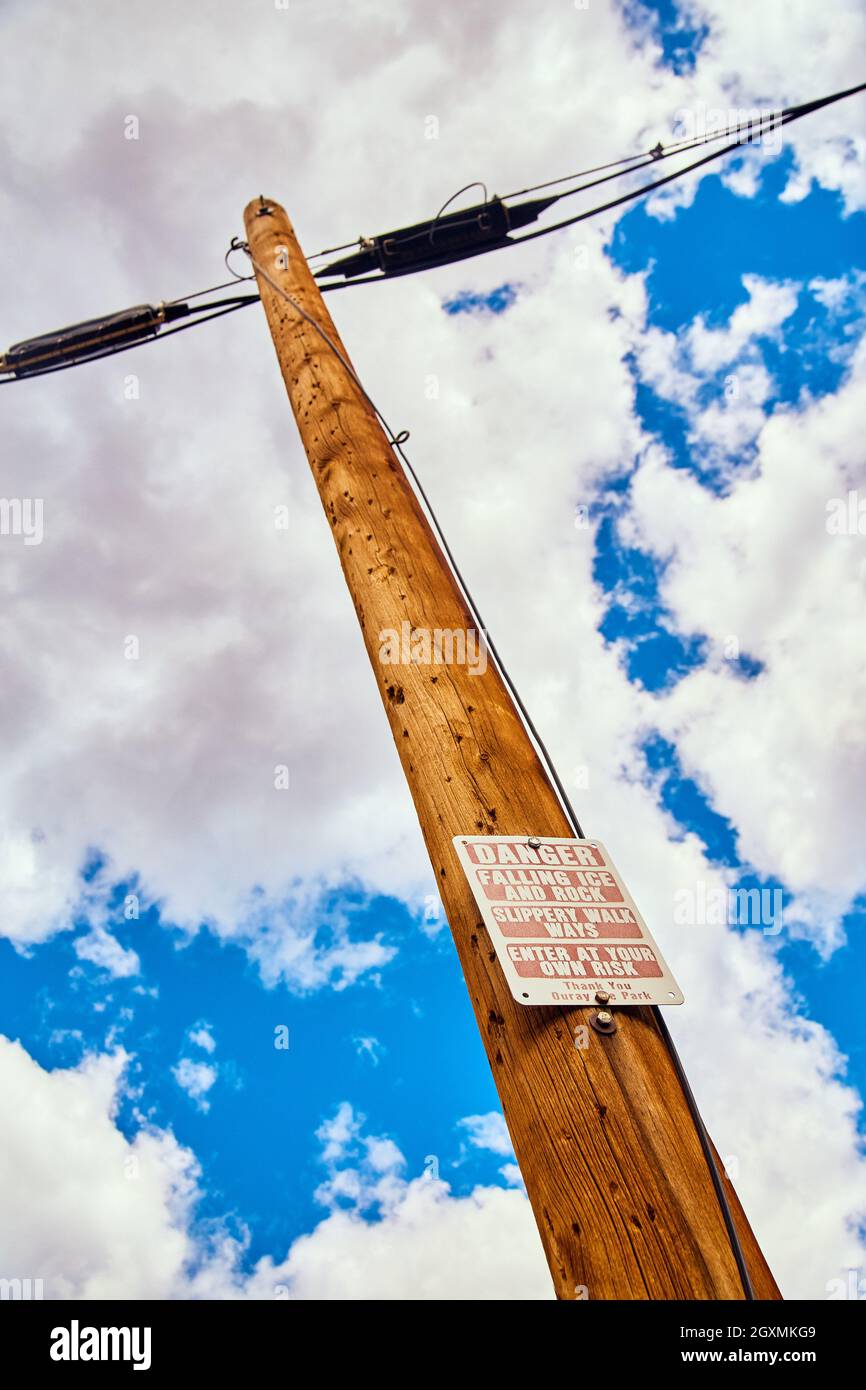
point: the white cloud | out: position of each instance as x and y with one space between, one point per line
783 755
202 1036
96 1215
363 1170
104 950
768 306
755 59
42 890
679 366
196 1078
488 1132
391 1237
285 942
409 1253
832 293
339 1134
385 1237
512 1174
91 1213
369 1047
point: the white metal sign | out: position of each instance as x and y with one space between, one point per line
562 922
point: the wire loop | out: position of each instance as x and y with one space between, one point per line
237 244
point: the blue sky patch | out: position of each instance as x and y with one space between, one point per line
695 266
819 983
680 38
655 655
494 301
696 261
256 1141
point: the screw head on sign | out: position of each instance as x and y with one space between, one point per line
604 1017
534 842
602 998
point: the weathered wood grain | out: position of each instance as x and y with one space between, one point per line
603 1136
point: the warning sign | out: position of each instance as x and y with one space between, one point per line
562 922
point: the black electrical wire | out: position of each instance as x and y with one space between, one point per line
797 112
448 201
237 299
763 123
332 250
754 128
581 174
628 197
233 305
635 163
706 1146
396 441
554 227
624 197
642 162
359 280
227 284
788 115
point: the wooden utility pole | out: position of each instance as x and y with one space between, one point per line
604 1138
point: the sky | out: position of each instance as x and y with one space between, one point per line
234 1033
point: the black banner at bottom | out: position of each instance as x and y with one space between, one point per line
85 1339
